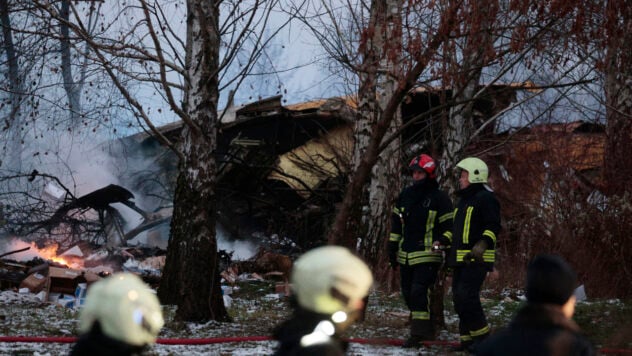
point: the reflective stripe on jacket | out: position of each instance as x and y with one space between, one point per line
421 216
476 217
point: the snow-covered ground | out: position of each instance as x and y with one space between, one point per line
238 349
23 314
256 309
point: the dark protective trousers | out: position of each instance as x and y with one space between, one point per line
416 282
466 287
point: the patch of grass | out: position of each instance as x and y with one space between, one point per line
608 323
499 312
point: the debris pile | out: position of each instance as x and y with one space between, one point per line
64 278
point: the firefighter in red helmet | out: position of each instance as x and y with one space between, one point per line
421 218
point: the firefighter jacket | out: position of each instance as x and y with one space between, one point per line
302 335
97 343
476 217
538 329
421 216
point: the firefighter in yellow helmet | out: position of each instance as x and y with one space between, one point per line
472 253
329 284
121 316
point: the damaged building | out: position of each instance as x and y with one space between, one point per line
282 169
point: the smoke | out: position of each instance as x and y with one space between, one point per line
17 244
242 249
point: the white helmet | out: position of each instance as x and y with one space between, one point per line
125 307
329 279
477 169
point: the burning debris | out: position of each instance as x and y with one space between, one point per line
84 239
62 276
106 216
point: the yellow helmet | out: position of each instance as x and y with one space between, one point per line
477 169
329 279
125 307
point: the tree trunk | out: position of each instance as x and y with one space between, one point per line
73 91
477 51
344 229
14 134
383 52
618 92
191 277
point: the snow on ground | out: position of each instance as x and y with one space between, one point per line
255 311
24 314
241 349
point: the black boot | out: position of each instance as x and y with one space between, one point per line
420 330
476 341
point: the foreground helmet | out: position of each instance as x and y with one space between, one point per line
126 309
423 163
329 279
476 168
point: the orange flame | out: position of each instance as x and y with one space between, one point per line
50 253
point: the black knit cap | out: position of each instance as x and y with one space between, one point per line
550 280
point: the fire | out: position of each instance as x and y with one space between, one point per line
50 253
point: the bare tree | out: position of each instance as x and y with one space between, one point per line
447 43
403 77
72 86
378 81
617 65
216 33
13 143
465 47
599 30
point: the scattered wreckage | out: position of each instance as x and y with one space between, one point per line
64 278
60 270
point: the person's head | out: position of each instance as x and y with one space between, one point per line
422 167
124 308
550 280
331 280
473 170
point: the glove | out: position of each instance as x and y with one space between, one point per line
392 254
477 252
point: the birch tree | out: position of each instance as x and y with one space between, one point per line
385 79
448 44
477 20
186 69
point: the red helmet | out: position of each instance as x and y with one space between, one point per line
424 163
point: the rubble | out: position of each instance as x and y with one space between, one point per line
263 265
63 277
63 286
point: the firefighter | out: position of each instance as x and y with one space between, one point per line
329 285
421 218
472 253
121 316
544 325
